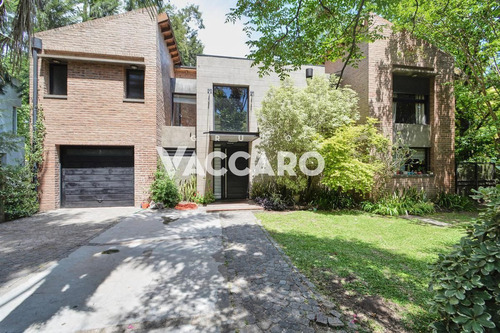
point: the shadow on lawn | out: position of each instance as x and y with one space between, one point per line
386 287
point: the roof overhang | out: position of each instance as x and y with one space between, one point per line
169 38
232 136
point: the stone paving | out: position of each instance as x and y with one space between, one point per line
30 244
266 292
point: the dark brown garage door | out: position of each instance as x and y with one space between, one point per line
97 176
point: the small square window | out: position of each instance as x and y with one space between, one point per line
418 162
135 83
58 79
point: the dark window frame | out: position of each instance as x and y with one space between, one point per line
128 89
405 89
53 85
221 85
14 119
413 102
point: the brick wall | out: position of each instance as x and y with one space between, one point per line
94 112
400 53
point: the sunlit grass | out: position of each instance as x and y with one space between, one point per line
388 257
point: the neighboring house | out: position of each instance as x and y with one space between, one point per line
406 83
10 102
116 98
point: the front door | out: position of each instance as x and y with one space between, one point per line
231 186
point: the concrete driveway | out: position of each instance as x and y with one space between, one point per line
166 271
150 271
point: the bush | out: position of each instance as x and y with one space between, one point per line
18 192
465 282
187 189
324 198
269 188
406 202
455 202
272 203
164 190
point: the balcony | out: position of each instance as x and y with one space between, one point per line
413 135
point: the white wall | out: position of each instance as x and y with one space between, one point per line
232 71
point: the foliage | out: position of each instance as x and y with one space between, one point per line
455 202
325 198
408 201
273 202
204 199
187 189
18 192
354 157
18 184
372 265
164 189
465 281
57 13
296 119
265 187
287 35
468 30
185 21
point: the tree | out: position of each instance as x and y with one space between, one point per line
354 157
56 13
297 32
296 120
293 33
185 22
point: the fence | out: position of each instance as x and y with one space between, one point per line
471 176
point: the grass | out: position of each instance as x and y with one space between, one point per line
456 218
377 266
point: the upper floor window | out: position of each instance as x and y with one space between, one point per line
410 100
184 111
58 79
135 83
230 109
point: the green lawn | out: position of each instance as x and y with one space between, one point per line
376 266
458 218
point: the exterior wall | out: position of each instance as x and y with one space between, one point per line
356 78
233 72
8 101
94 112
400 53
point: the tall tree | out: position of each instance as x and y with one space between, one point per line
185 22
287 34
56 13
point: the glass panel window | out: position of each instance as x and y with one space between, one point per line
230 109
418 162
135 83
410 109
58 79
184 112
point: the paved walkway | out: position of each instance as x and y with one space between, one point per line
266 293
31 244
168 271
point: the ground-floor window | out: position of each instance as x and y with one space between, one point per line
418 162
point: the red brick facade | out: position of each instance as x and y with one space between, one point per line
95 111
400 53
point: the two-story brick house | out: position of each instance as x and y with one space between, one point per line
116 98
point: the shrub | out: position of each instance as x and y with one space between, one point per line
18 192
164 190
324 198
272 203
405 202
465 282
270 188
187 189
455 202
204 199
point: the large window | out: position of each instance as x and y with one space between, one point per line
58 79
135 83
410 100
230 109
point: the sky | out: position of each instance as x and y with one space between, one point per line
219 38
